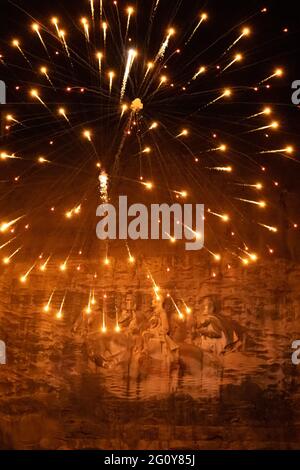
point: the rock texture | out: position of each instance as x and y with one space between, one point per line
219 378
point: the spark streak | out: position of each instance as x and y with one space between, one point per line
88 309
7 243
104 28
277 73
226 93
23 279
6 225
10 118
201 70
48 304
261 204
131 56
164 46
43 267
92 9
273 125
36 28
130 11
62 35
180 314
62 112
245 32
5 156
270 228
44 71
203 17
59 314
55 21
237 58
16 43
111 76
227 169
224 217
265 111
288 150
35 94
85 24
7 259
100 57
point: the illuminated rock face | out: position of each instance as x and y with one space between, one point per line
220 377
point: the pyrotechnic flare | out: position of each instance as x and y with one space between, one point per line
180 314
130 11
156 6
7 243
59 314
111 76
270 228
150 66
48 304
100 57
62 35
224 217
277 73
261 204
104 328
237 58
64 265
85 24
43 160
10 118
163 80
273 125
7 259
23 279
92 9
266 111
288 150
124 108
35 94
131 258
130 59
44 71
164 46
88 309
36 28
43 267
16 43
226 93
226 169
104 28
87 134
258 186
62 112
55 21
5 156
201 70
203 17
5 226
245 32
183 133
